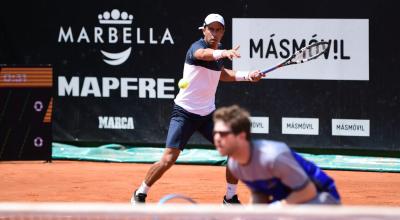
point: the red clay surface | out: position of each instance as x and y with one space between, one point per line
75 181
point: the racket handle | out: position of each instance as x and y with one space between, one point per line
271 69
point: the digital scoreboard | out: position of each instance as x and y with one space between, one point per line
25 112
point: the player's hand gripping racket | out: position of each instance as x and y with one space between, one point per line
310 52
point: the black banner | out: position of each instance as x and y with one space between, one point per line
117 64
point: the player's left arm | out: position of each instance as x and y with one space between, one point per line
290 172
229 75
209 54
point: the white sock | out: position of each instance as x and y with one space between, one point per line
144 188
230 190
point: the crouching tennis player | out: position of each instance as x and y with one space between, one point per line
274 173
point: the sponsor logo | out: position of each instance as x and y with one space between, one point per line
38 106
350 127
161 88
267 42
259 125
38 142
302 126
114 31
109 122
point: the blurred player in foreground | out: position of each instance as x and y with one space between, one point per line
195 103
274 173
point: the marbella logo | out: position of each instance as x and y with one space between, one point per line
114 33
117 18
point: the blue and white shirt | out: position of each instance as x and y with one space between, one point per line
203 77
275 170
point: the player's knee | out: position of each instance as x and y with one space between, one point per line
167 162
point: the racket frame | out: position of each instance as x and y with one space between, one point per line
289 61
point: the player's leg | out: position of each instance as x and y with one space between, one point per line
154 173
231 182
230 197
168 159
180 130
324 198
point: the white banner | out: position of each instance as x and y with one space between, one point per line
302 126
267 42
350 127
259 125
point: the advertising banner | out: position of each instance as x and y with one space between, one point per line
116 66
267 42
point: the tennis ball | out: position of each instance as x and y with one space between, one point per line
183 84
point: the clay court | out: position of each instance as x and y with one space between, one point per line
79 181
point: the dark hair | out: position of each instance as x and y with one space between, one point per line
235 117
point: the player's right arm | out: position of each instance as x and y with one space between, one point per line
229 75
259 198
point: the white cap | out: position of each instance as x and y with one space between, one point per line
213 18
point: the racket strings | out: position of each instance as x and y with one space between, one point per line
309 53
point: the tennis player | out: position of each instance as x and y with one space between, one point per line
274 173
195 104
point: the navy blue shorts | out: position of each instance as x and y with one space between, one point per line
183 124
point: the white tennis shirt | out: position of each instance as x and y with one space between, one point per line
203 77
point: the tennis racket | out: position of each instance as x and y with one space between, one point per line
310 52
169 197
166 199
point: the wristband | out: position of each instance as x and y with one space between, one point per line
217 54
242 76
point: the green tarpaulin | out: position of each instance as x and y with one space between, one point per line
120 153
